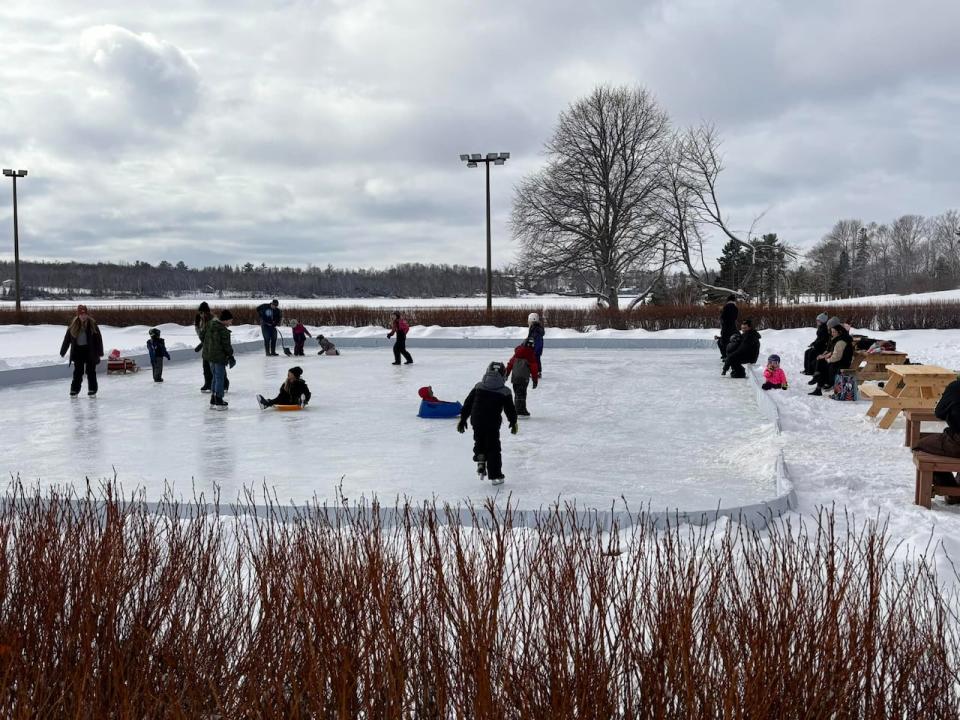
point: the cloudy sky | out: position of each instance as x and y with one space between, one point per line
328 131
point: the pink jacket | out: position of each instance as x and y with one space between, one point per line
776 377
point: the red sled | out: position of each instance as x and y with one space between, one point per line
121 365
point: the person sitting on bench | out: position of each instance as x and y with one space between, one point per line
946 443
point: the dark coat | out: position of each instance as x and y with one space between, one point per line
200 321
747 350
536 332
291 395
948 408
823 339
157 347
488 399
269 315
528 355
216 343
94 343
847 358
728 318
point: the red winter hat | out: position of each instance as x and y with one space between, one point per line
81 309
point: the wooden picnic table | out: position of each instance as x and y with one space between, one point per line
875 364
908 387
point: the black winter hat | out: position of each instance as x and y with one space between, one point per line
203 307
297 371
226 315
275 302
153 332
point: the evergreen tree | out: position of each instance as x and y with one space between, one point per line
733 259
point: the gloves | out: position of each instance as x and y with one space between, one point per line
534 383
231 361
462 426
198 348
514 428
303 401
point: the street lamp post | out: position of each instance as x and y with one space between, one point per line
471 161
16 233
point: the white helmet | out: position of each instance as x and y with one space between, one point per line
532 318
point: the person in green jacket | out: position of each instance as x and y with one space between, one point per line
218 351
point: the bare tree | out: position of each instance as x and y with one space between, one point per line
593 213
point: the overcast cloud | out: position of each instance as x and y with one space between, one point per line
328 131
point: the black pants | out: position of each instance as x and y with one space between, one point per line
84 363
486 443
298 346
722 344
520 395
810 361
737 370
400 348
827 373
157 369
269 339
208 378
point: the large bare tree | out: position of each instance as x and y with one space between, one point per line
594 211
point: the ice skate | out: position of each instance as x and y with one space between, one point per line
262 402
481 466
497 480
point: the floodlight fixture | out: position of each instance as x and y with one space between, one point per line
504 156
492 156
476 156
471 164
15 173
464 158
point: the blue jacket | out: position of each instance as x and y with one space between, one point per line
536 332
157 347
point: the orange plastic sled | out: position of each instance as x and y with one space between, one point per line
286 408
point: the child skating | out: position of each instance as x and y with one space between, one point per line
294 391
522 369
157 348
300 335
489 398
773 375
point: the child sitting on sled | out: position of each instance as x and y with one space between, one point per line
294 391
432 407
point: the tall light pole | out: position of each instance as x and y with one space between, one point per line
16 233
471 161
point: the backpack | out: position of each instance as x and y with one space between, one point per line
845 386
520 371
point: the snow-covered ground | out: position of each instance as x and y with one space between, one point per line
604 428
894 299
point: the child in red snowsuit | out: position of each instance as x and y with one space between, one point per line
522 368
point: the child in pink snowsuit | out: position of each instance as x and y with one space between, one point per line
773 375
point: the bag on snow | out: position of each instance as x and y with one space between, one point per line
845 387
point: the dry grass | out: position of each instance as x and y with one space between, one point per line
656 317
109 610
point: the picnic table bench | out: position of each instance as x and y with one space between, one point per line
914 419
927 464
875 364
908 387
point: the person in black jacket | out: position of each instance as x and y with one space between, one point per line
818 346
157 349
839 356
489 398
728 324
200 320
746 351
948 442
294 391
85 343
270 317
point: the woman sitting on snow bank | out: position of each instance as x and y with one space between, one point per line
294 391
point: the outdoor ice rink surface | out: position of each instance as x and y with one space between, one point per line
658 428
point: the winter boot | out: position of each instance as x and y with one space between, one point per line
817 391
264 403
498 480
205 389
481 466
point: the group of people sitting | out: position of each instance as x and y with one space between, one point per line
831 352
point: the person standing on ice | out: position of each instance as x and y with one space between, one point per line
270 317
535 333
521 369
85 343
200 321
157 349
300 335
400 328
218 351
728 324
489 398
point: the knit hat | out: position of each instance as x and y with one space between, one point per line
773 358
275 302
226 315
203 307
297 371
153 332
833 322
81 309
822 318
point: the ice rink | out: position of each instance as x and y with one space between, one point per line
653 427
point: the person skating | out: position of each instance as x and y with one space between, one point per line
728 324
522 369
535 333
300 335
818 346
157 348
746 351
270 316
400 328
483 406
326 347
200 321
294 391
218 351
85 343
773 375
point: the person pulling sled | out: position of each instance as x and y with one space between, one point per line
483 406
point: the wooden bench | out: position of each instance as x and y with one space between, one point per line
927 465
909 387
914 418
875 364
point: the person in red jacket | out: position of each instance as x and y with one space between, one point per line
522 368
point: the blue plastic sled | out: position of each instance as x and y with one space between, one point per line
439 409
